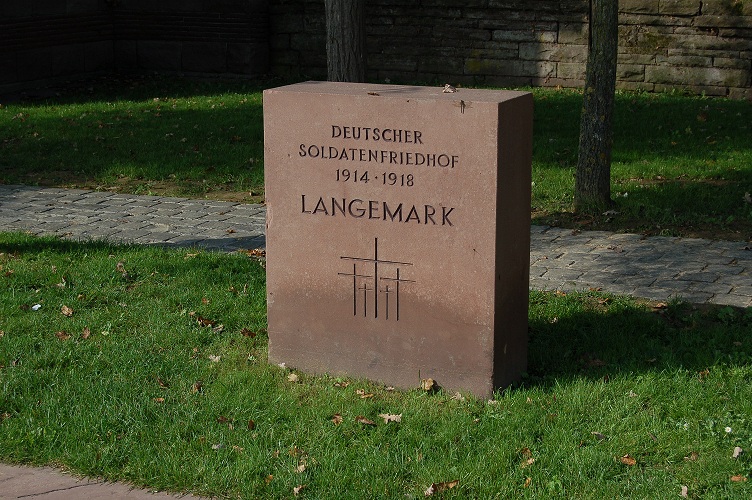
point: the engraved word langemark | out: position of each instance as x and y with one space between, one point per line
385 278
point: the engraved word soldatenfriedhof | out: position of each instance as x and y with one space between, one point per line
398 232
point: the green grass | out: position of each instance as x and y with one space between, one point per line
152 136
662 383
681 165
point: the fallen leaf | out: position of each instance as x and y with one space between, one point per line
363 420
214 359
627 460
363 394
66 311
300 468
684 491
737 451
162 383
222 419
237 449
703 374
86 333
293 377
692 457
599 436
336 419
269 478
218 329
296 490
526 463
296 452
458 397
205 301
388 417
739 478
197 386
217 446
159 400
528 480
62 335
341 384
427 384
205 321
440 487
245 332
251 425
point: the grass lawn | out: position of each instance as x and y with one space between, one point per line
681 165
149 365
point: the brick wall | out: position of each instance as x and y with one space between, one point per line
701 46
45 40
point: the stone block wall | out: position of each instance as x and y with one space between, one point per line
45 40
700 46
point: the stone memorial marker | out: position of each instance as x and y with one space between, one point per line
398 232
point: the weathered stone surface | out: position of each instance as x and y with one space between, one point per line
570 71
638 6
204 57
630 72
693 61
509 68
680 7
727 7
159 55
398 232
738 63
573 33
553 52
99 56
705 77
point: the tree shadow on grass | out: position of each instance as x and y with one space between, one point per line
596 336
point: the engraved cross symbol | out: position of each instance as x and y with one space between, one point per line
377 271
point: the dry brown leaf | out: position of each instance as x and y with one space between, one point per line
440 487
627 460
300 468
214 359
296 452
86 333
205 321
162 383
159 400
388 417
528 480
67 311
363 394
293 377
692 457
526 463
684 491
197 386
427 384
204 300
245 332
363 420
62 335
336 419
737 451
341 384
237 449
296 490
599 436
269 478
251 425
738 478
223 420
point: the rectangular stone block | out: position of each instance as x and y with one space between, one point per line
711 77
679 7
553 52
638 6
398 232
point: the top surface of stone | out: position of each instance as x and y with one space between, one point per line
399 91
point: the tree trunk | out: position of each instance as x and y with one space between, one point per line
593 175
346 40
